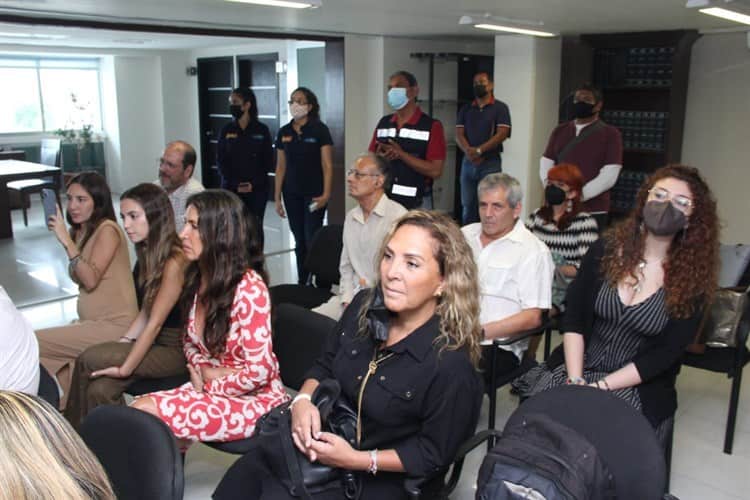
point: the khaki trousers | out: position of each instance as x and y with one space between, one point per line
165 358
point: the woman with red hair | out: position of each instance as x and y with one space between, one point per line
564 227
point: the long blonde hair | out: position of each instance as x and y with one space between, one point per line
458 306
41 456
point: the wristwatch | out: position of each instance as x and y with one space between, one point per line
479 151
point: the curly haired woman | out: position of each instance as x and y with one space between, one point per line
638 298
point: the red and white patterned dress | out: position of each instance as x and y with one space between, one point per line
229 406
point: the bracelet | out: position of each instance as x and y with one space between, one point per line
597 384
72 263
299 396
576 381
129 339
606 385
373 468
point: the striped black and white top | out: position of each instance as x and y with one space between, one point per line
572 243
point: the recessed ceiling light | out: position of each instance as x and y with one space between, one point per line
511 29
730 15
292 4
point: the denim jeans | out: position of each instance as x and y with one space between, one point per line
470 176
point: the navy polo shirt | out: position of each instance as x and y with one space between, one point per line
304 168
480 123
244 155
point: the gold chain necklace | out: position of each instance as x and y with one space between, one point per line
371 368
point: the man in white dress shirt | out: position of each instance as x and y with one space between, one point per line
176 167
365 226
515 268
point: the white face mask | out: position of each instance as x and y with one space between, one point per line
299 111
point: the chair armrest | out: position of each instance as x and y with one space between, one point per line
533 332
414 485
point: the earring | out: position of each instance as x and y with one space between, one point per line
569 208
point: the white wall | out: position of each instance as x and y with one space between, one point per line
140 116
527 79
717 126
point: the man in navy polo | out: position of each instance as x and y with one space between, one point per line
481 128
412 141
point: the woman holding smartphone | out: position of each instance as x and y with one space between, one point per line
151 347
99 263
304 171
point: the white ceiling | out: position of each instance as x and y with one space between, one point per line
382 17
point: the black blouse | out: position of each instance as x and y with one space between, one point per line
421 402
304 166
173 320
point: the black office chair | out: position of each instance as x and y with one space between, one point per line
322 264
48 388
495 381
49 155
138 451
632 453
299 337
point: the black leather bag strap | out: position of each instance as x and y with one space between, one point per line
587 131
290 454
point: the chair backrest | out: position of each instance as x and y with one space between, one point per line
49 154
324 254
299 337
622 436
137 450
734 260
48 388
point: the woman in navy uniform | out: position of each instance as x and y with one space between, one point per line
303 171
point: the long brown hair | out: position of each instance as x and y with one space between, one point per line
230 248
572 176
96 187
690 270
161 243
458 306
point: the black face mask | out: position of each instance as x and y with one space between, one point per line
662 218
583 109
554 195
480 91
236 110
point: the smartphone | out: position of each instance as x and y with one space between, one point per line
49 201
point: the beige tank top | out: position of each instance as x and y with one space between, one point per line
114 297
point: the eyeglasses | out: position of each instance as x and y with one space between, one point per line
163 162
358 175
679 201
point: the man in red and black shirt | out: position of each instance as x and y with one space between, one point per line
592 145
412 141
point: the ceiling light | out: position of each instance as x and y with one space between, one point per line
730 15
292 4
40 36
487 21
511 29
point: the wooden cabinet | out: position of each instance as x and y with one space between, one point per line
644 79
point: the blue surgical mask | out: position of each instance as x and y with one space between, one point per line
397 98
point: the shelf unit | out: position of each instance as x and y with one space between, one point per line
644 79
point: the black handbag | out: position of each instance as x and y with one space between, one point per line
295 471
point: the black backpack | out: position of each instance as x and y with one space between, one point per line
538 458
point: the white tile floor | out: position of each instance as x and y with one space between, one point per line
33 271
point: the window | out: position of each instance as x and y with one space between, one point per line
44 95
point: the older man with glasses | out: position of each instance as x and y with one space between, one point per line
365 227
176 167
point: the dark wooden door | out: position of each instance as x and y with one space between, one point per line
215 83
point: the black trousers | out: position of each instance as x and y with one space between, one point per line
303 224
249 478
255 202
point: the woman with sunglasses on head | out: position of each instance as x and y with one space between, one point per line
99 263
151 346
638 298
406 355
304 172
234 374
